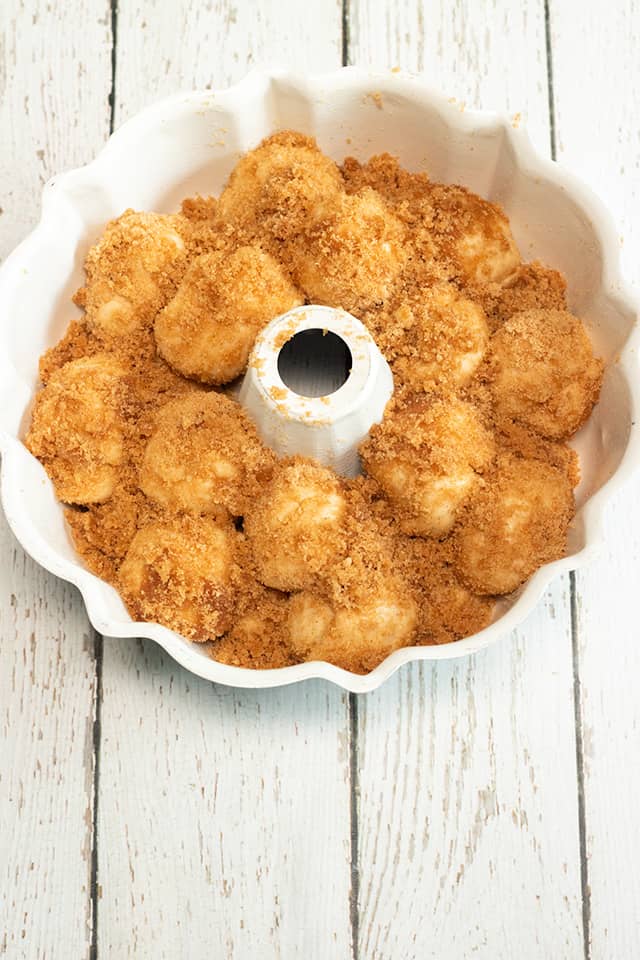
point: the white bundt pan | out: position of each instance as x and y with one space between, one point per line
188 144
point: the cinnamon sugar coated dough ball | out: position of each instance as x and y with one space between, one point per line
200 227
103 533
533 286
258 639
274 189
514 437
204 456
357 630
77 430
362 608
78 341
442 339
544 372
353 252
517 521
131 272
447 609
474 234
295 529
426 455
208 329
383 173
182 573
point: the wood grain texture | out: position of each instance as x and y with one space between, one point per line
468 824
596 106
46 762
468 815
52 117
223 825
164 48
55 76
224 817
489 55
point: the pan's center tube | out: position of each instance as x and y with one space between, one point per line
315 385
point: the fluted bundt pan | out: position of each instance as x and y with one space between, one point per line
188 144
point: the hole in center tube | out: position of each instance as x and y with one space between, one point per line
314 363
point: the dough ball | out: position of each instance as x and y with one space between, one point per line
448 609
199 226
426 455
517 438
357 630
442 339
533 286
362 608
544 372
274 189
473 234
517 521
204 456
199 209
77 428
78 341
182 573
353 253
131 272
295 529
103 532
259 638
383 173
208 329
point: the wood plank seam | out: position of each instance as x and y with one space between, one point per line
354 893
345 32
114 43
354 796
579 725
98 646
98 638
550 93
573 600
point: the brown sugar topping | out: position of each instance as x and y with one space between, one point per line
172 497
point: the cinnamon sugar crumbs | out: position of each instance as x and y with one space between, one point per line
286 333
78 341
376 99
533 286
259 638
172 497
449 610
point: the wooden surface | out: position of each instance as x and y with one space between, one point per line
604 148
484 808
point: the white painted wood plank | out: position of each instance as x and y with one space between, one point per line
54 83
54 75
467 816
468 819
222 825
224 816
164 48
490 55
599 138
46 761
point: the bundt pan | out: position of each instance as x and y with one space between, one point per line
188 144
